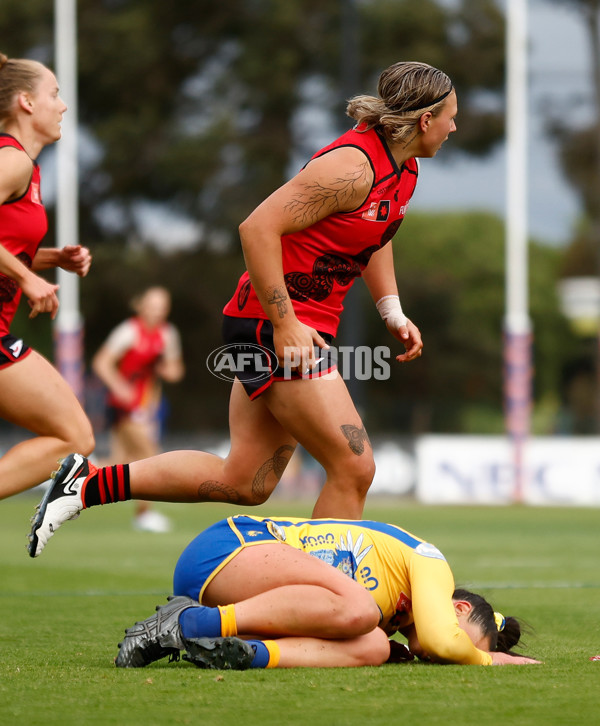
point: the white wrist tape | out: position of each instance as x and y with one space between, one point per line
391 311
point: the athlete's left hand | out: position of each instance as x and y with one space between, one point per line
75 258
410 336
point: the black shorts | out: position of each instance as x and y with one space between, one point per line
249 355
12 350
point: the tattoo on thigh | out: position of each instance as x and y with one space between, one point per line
276 465
216 491
356 438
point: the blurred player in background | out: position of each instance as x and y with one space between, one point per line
140 353
258 592
33 395
304 247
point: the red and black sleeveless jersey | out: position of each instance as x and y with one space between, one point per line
137 364
321 262
23 224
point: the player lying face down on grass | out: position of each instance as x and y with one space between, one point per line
257 592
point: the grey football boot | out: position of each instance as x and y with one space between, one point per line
156 637
225 653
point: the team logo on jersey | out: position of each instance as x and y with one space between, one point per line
378 211
36 197
404 604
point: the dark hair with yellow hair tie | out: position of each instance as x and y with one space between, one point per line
504 632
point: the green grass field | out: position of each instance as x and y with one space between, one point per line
63 614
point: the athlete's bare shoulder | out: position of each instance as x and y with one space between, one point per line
15 173
338 181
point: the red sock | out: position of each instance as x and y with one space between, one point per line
107 485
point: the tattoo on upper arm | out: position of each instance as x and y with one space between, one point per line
278 296
319 201
276 465
356 438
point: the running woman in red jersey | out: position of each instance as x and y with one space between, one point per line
138 354
33 395
304 246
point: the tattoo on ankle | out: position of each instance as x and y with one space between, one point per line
216 491
276 465
356 438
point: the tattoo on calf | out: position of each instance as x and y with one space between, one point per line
276 465
356 438
216 491
278 296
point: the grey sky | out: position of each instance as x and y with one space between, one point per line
559 76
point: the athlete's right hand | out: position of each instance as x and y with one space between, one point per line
499 658
123 391
41 295
295 346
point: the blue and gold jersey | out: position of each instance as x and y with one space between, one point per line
409 579
378 556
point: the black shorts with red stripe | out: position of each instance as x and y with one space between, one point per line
249 355
12 350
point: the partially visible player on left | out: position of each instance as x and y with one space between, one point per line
33 395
